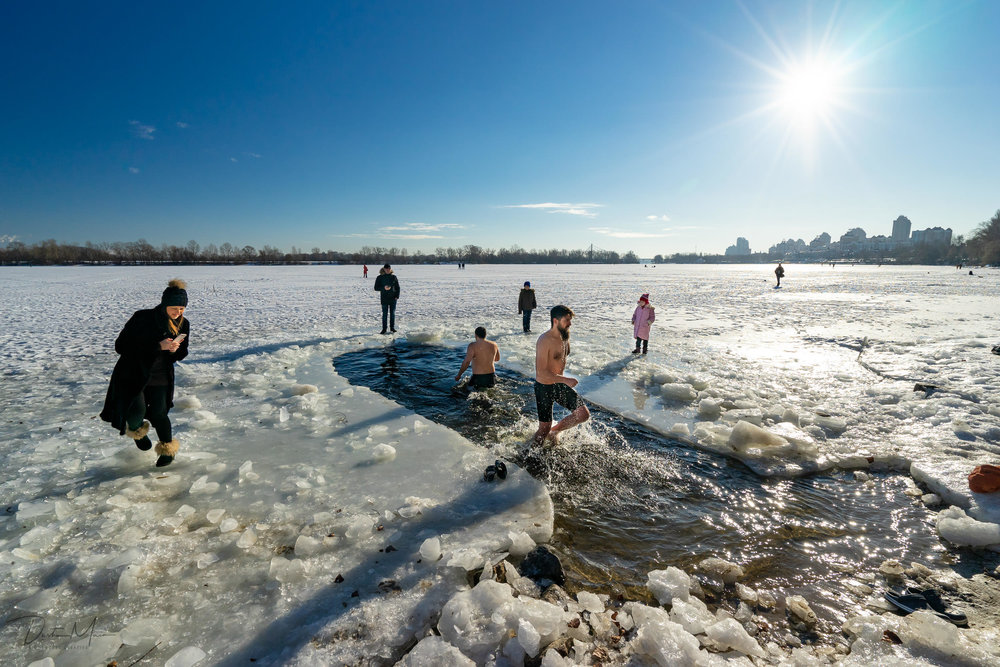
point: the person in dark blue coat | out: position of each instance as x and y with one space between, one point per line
387 285
141 391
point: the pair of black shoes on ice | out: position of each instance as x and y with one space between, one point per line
385 332
926 599
497 470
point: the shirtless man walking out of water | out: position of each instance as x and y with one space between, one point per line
551 386
482 354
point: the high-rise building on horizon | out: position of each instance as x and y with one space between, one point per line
901 229
742 247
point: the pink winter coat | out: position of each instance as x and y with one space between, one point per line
641 319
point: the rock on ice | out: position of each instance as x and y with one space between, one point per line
800 609
723 569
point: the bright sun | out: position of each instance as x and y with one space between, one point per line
809 92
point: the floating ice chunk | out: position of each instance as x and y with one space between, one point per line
187 403
435 652
283 414
520 543
142 632
830 423
303 389
204 560
930 499
729 634
184 511
420 425
27 512
202 485
247 539
669 585
755 441
697 383
528 637
723 569
692 615
590 602
663 377
378 430
204 420
38 537
959 528
186 657
24 554
42 601
358 527
44 662
383 453
800 609
228 525
662 640
287 571
93 649
124 558
467 559
680 428
306 546
214 516
430 550
752 415
709 409
678 391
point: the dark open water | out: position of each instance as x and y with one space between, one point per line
628 500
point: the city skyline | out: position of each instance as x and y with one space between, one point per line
667 125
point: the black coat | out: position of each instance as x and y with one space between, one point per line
526 301
387 295
139 346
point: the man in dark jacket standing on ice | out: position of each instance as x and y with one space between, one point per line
388 288
525 304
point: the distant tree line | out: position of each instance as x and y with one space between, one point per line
52 252
982 247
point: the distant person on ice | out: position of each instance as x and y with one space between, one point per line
483 355
387 286
141 391
642 319
551 386
525 304
365 271
779 273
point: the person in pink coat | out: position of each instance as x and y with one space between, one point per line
642 319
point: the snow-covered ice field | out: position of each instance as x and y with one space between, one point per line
310 521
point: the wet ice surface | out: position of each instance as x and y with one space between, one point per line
235 550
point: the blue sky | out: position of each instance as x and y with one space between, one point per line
658 127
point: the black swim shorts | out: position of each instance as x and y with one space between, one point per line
483 381
547 394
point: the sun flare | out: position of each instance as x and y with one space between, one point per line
809 91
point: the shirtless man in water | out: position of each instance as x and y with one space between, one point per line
482 354
551 386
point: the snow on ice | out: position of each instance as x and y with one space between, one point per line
306 521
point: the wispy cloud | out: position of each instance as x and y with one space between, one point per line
182 125
658 218
133 170
410 231
232 159
141 131
256 156
625 234
585 210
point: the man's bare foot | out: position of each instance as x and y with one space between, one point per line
553 438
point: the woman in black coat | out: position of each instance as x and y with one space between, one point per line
141 391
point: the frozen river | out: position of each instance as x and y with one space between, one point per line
295 470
